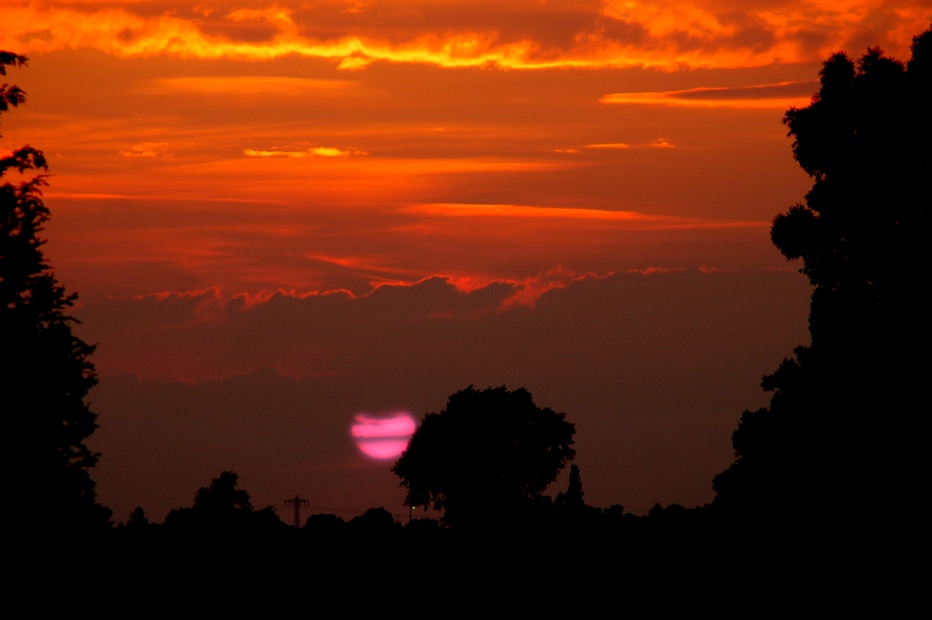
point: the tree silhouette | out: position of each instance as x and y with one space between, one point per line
223 495
841 425
222 507
572 498
47 372
137 519
375 522
487 457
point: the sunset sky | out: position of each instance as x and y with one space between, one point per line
282 215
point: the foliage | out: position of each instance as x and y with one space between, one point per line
573 497
222 495
137 519
488 456
48 373
375 522
838 428
223 507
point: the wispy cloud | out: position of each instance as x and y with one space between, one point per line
618 146
780 96
521 211
646 271
320 151
633 218
136 153
530 290
251 85
146 149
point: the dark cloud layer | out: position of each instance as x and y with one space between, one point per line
653 369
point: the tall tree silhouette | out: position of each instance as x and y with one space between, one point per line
843 426
47 373
486 458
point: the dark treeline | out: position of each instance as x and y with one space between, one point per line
829 474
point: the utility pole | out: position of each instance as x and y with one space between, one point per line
297 502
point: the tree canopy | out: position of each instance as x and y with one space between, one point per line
841 425
47 373
488 456
222 507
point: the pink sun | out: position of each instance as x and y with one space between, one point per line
383 437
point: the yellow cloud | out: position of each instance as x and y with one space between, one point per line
354 63
324 151
146 149
321 151
522 34
658 143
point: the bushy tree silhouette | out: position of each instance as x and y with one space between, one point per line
223 508
842 428
486 458
223 495
47 373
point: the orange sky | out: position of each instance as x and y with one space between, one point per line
350 135
205 157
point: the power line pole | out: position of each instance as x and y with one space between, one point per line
297 502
